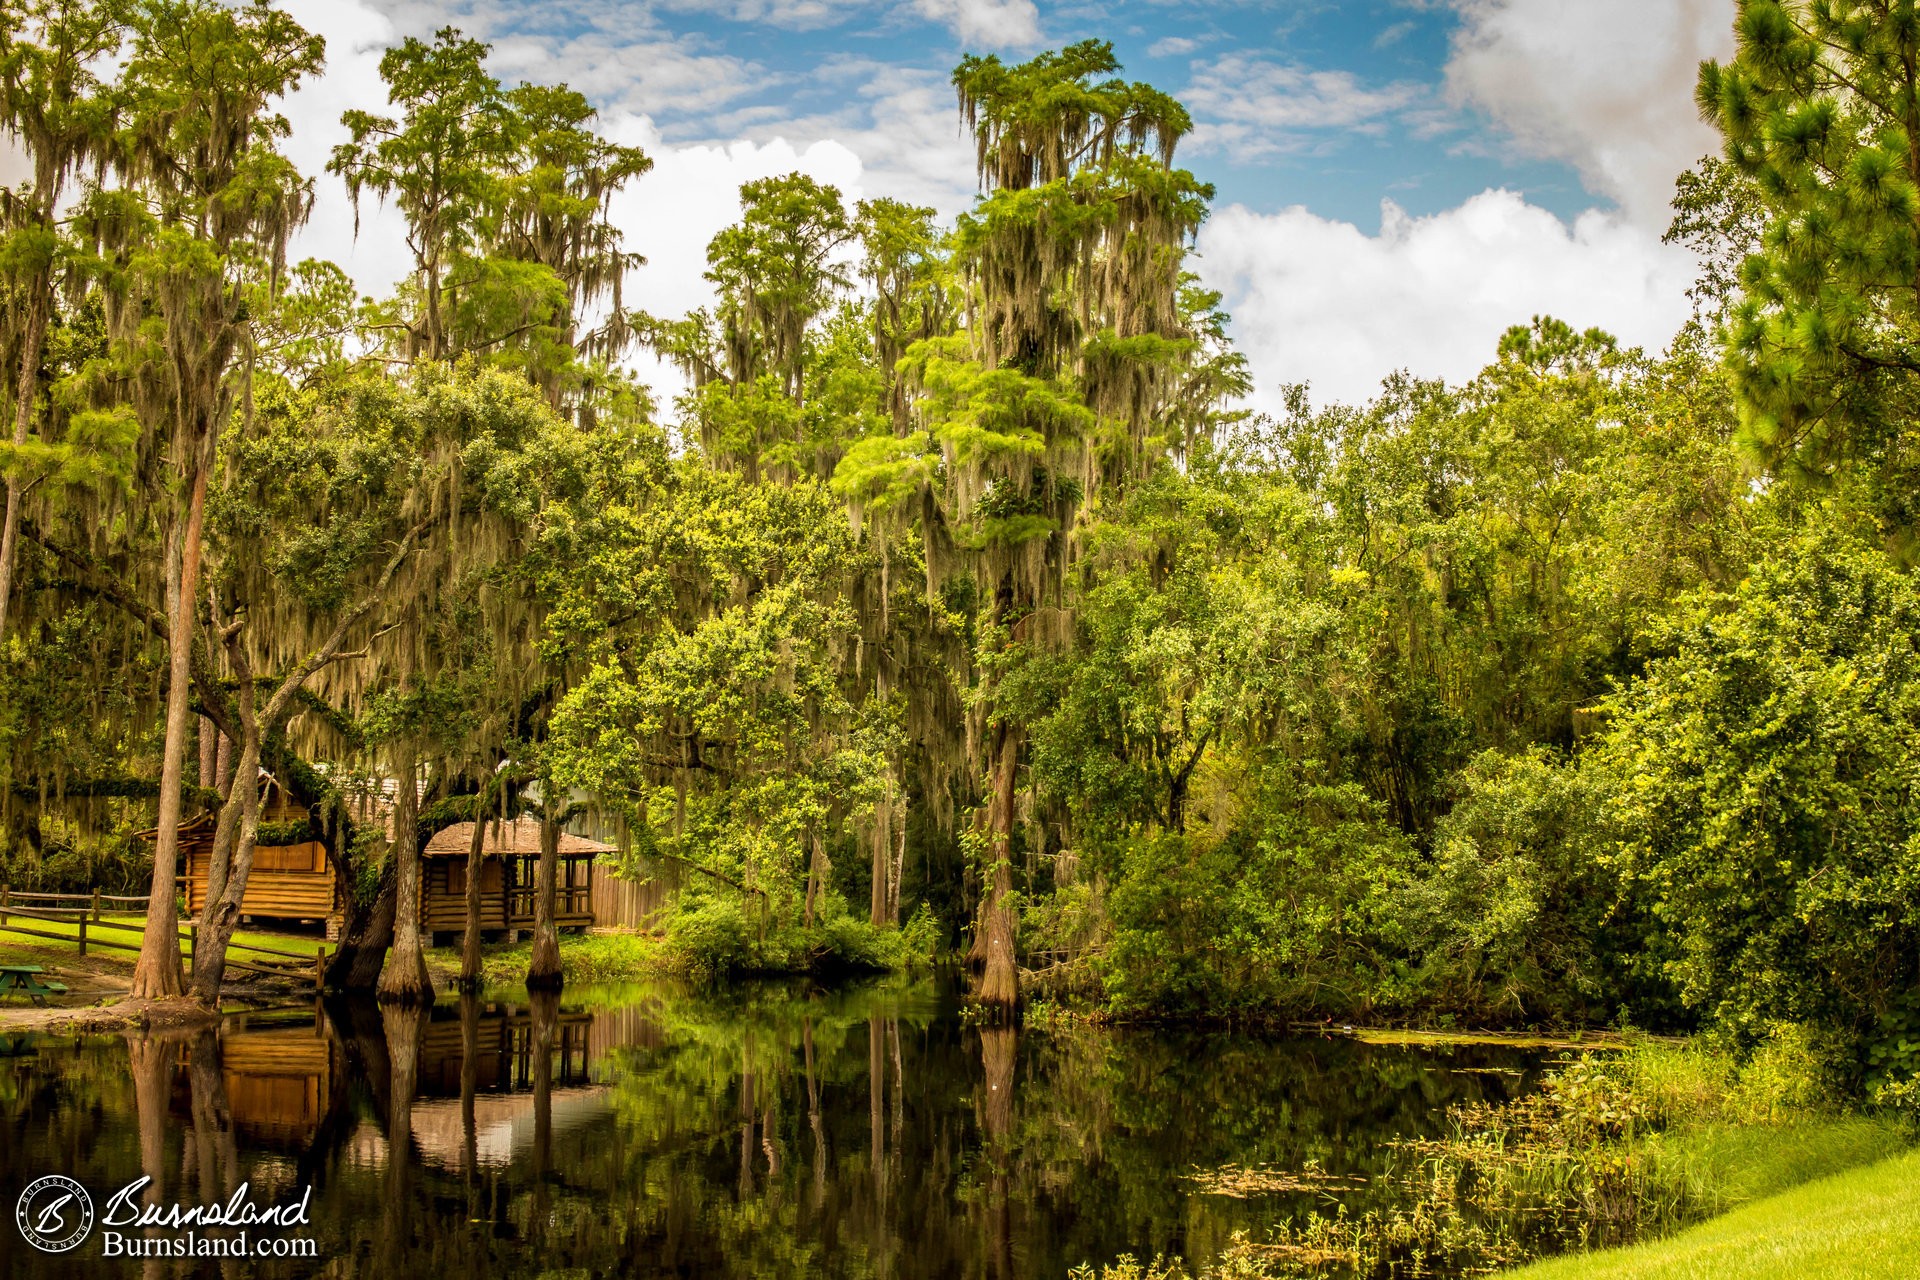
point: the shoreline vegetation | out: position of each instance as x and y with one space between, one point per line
1863 1224
1609 1168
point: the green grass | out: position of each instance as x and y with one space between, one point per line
243 946
1856 1225
590 957
1728 1165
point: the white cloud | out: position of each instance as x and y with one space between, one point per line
377 257
693 192
1172 47
1606 87
1394 34
901 123
1252 108
996 23
620 55
798 15
1321 301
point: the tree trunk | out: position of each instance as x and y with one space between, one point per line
543 967
362 951
231 863
999 990
223 765
31 344
816 864
209 752
877 890
405 980
899 860
220 915
156 975
476 861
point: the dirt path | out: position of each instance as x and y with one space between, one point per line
96 996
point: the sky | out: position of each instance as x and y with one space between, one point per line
1397 181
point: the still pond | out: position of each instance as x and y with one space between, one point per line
652 1131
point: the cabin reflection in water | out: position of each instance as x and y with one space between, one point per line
504 1084
286 1078
281 1077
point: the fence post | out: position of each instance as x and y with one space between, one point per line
6 897
96 905
319 969
83 933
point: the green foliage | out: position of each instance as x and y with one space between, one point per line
585 958
964 586
1519 914
718 937
1764 789
1817 109
1290 911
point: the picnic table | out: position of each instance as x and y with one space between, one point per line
24 979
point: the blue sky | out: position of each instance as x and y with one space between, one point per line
1398 180
1372 72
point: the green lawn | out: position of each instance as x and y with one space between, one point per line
244 941
1856 1225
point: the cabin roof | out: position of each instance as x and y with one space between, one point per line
519 838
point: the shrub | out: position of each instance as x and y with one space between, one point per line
1516 918
1764 783
1291 912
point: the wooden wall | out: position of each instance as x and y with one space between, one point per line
444 895
291 882
631 904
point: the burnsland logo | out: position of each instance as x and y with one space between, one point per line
54 1213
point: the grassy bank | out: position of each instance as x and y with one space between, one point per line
584 958
1634 1144
1862 1223
703 945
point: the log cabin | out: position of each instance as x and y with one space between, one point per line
288 881
510 852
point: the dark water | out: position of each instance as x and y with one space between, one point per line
653 1132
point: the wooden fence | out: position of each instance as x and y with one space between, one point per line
93 928
631 904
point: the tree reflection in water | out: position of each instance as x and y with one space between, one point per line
653 1132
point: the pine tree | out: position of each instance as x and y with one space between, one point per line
1820 109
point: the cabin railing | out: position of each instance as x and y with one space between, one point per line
575 900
